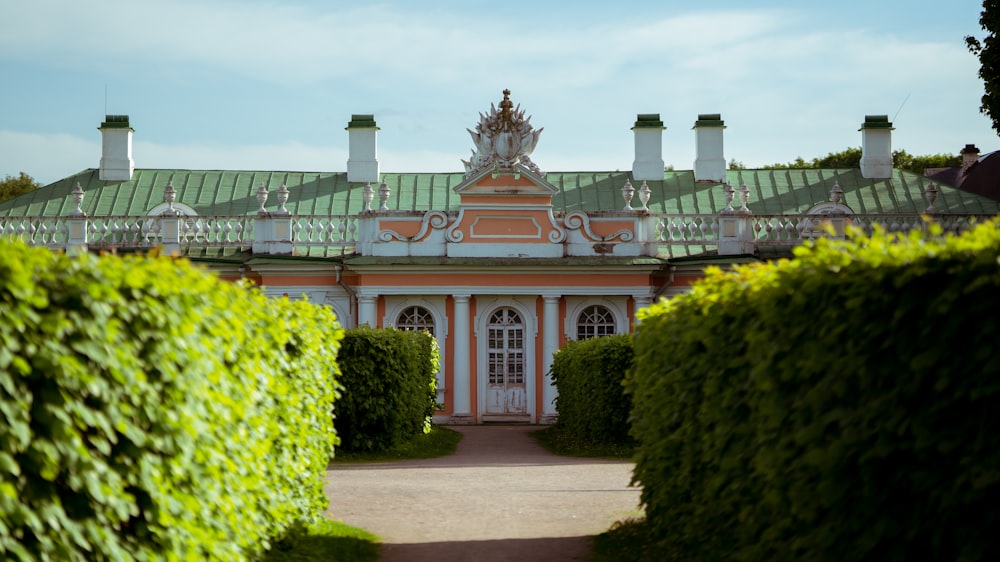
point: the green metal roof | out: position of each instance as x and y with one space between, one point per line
234 192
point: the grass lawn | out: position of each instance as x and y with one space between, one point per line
560 442
624 542
439 442
329 540
334 540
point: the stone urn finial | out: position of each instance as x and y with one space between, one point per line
261 197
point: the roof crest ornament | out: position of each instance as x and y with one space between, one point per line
503 138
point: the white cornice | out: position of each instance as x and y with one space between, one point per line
293 268
494 270
503 290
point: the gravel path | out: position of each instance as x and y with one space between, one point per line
500 497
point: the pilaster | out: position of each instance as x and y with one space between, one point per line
550 345
461 371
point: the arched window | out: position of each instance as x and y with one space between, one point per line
595 321
416 318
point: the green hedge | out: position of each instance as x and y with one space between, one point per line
150 411
592 403
838 406
389 387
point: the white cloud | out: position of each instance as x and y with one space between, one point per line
45 157
785 86
290 156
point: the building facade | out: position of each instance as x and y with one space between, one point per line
502 262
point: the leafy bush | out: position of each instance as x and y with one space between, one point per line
592 403
390 387
151 411
838 406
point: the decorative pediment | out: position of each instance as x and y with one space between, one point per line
518 181
504 139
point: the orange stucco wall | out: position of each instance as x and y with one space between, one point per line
471 200
547 279
406 228
505 227
607 228
298 280
506 181
686 280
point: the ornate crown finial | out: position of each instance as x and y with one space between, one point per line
506 110
503 138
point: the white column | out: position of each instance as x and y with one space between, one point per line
461 371
367 310
641 301
550 344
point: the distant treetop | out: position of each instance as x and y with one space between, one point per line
11 187
851 158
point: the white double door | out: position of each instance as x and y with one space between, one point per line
506 389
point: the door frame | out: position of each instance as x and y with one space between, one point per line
484 311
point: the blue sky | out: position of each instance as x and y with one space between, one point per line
248 84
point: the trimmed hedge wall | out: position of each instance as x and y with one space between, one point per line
390 387
838 406
152 412
591 402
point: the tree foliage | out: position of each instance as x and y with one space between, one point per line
835 406
988 52
851 158
150 411
390 387
11 187
592 402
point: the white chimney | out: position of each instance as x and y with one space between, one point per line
709 163
116 149
362 163
648 164
876 147
970 155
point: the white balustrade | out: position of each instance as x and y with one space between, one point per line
37 231
686 230
325 230
340 233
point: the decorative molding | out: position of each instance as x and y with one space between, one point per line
578 220
508 219
165 208
453 234
617 304
431 220
830 208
